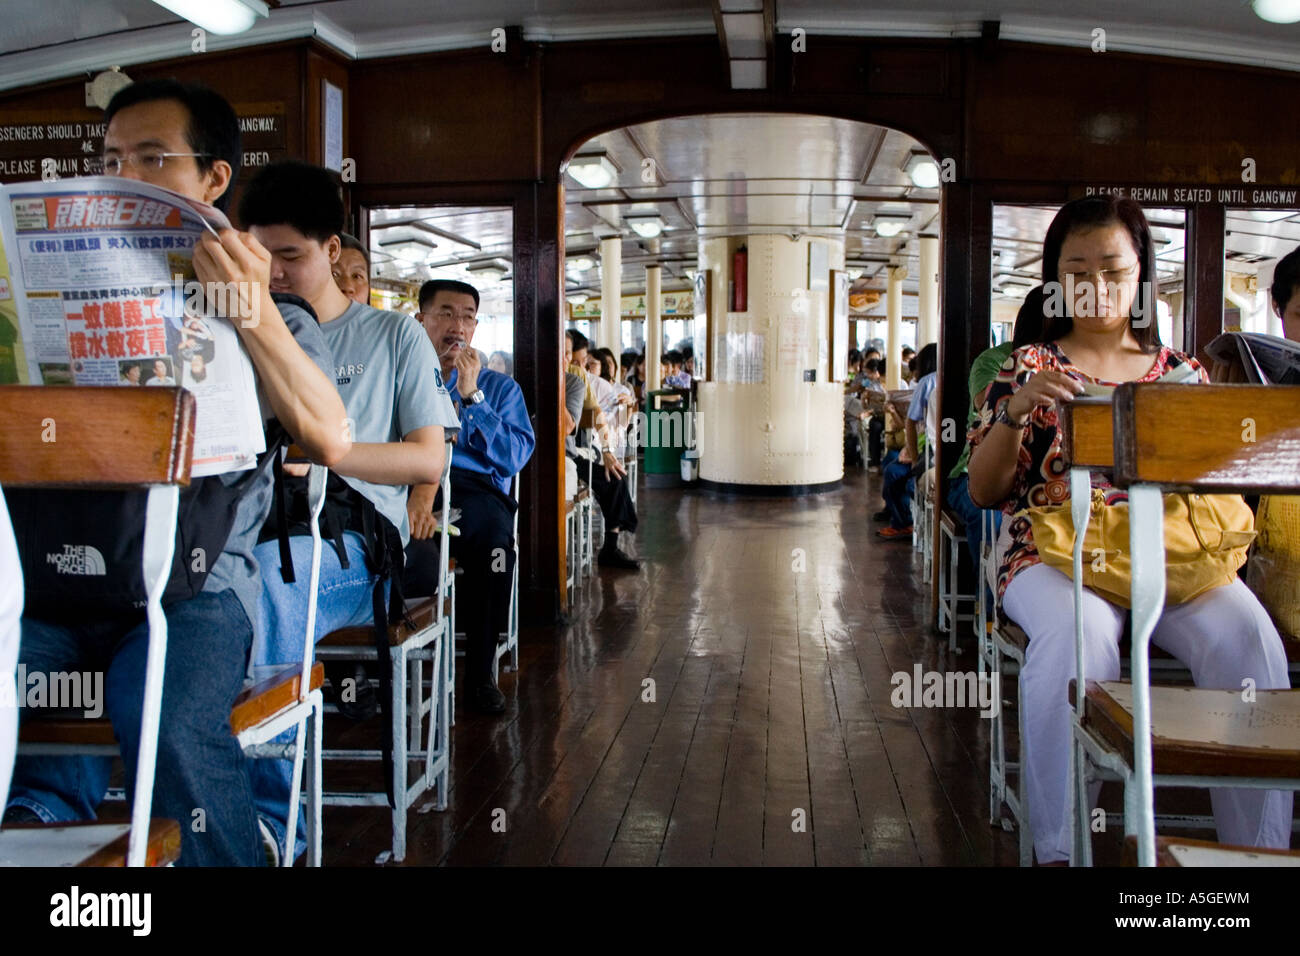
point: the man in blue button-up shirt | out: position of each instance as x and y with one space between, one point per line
495 442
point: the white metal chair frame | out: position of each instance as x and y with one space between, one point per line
305 751
305 713
923 514
1093 758
511 634
409 706
950 595
161 508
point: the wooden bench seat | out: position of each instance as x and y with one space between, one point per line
254 704
948 521
420 611
1173 851
85 844
1202 731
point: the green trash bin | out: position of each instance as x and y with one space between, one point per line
666 423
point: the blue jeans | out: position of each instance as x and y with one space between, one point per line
344 599
200 766
898 490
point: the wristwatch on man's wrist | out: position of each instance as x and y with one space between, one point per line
1003 417
475 397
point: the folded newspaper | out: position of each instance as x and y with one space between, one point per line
1255 358
98 288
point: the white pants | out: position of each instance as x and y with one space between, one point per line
1222 636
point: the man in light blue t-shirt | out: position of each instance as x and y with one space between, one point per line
399 418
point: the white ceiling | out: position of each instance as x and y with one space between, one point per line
49 39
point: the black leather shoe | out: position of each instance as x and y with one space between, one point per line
365 702
20 814
615 558
486 699
881 515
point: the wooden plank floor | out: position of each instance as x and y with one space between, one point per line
770 629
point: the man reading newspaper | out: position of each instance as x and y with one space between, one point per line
186 138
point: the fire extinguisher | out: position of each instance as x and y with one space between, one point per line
740 271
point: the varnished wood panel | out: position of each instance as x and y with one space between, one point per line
95 437
1087 434
1209 437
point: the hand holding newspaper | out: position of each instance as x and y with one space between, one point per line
98 288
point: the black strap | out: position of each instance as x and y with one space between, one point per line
378 558
286 553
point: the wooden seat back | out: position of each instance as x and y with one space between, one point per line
95 436
1208 438
1087 434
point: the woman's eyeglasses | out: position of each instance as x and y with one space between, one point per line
1109 276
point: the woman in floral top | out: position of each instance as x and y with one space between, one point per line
1099 327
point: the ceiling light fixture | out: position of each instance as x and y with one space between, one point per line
593 170
411 250
1277 11
582 264
889 226
578 298
223 17
923 170
493 269
647 227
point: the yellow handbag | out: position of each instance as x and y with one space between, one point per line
1206 541
1274 571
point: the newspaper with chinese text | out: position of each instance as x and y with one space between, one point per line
97 287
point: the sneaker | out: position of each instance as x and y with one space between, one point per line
895 533
269 843
873 469
487 699
615 558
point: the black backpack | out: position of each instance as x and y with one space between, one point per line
82 550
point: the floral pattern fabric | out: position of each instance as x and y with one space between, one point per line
1042 477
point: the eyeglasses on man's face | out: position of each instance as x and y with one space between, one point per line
148 160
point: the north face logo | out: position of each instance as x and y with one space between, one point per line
79 559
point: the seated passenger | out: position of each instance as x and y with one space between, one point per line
194 134
608 476
901 475
676 377
502 362
873 400
351 270
398 413
983 371
495 442
1106 335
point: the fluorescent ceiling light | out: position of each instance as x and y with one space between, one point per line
923 170
412 250
889 226
1277 11
493 269
223 17
593 170
647 227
